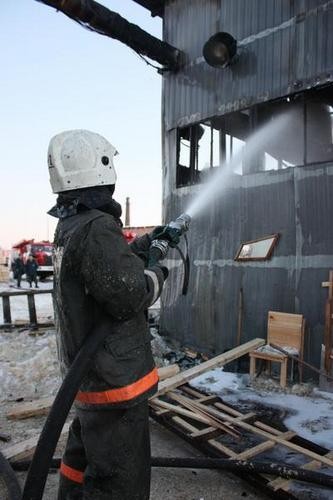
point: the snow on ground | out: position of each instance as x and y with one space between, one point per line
28 365
28 362
310 416
19 305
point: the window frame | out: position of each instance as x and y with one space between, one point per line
274 237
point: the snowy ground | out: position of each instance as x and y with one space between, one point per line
28 366
19 305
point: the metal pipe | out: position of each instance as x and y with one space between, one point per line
98 18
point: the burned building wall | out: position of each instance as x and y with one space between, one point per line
284 50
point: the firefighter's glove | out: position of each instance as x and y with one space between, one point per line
158 251
167 233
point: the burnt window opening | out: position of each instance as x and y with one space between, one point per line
198 151
307 138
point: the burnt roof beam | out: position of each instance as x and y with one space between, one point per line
156 7
98 18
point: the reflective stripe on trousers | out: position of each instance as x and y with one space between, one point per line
120 394
72 474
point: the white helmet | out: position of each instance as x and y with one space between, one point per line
79 159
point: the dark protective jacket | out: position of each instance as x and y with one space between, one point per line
18 267
31 267
99 280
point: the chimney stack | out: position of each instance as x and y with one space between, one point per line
127 213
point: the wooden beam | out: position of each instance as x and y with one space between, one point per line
32 309
165 372
184 425
6 310
25 449
197 370
266 445
31 409
25 292
205 419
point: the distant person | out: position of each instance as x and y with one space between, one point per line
31 271
18 269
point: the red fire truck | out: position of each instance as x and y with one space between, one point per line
41 250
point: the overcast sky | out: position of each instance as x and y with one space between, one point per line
55 76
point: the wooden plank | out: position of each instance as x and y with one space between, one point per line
165 372
24 292
210 432
212 442
208 399
181 411
7 317
32 309
31 409
207 433
260 448
280 483
226 418
210 420
42 406
328 334
25 448
220 360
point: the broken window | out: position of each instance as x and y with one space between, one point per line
260 249
319 126
198 151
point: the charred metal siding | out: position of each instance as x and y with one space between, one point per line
296 202
284 46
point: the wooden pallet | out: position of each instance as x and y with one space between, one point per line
212 425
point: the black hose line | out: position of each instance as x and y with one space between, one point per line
257 467
37 475
8 477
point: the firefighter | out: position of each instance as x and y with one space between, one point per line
101 281
18 269
31 267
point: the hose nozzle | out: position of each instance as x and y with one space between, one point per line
181 224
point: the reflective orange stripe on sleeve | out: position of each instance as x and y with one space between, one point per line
72 474
120 394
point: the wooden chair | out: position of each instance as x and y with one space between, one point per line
285 331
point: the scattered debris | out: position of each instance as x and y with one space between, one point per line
5 437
